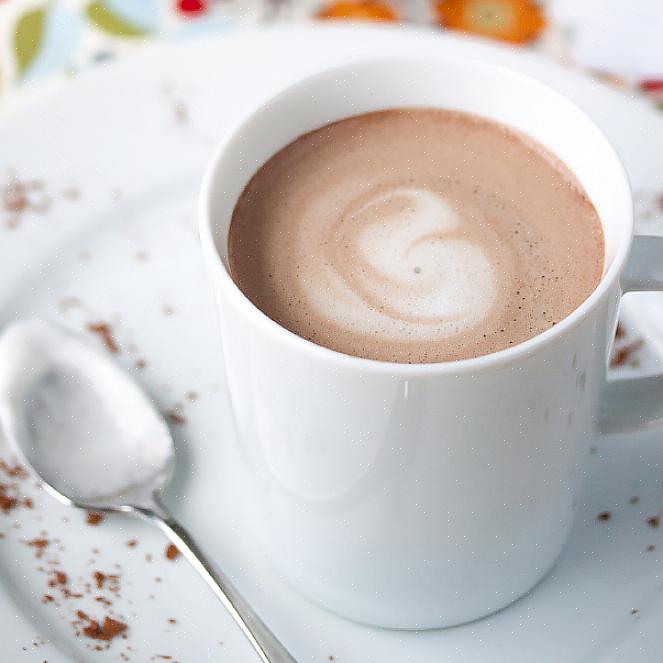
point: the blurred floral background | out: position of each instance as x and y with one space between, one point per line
619 41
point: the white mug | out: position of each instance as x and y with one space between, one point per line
420 496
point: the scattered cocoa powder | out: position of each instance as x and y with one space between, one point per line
99 579
7 502
15 470
72 193
104 331
59 578
27 502
94 518
650 548
604 515
172 552
175 417
634 500
132 543
625 354
140 364
620 331
47 598
21 196
107 630
192 396
39 545
172 621
653 522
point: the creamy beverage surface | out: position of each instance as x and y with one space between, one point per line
415 236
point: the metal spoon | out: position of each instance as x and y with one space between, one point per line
92 437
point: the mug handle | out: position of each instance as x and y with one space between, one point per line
632 405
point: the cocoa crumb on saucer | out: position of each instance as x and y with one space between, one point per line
68 303
172 552
192 396
99 579
634 500
104 331
172 620
132 543
107 630
650 548
653 521
140 364
634 611
72 193
7 502
47 598
604 515
15 471
94 517
175 417
59 578
624 355
39 545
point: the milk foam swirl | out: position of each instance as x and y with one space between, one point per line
399 266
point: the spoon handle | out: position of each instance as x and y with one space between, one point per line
265 643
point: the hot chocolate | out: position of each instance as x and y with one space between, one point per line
415 236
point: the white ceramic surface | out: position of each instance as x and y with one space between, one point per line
127 249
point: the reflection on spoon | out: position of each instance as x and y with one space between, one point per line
94 439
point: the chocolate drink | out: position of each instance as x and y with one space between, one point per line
415 236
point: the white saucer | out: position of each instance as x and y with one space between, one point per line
132 140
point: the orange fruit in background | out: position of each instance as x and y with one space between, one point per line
362 10
515 21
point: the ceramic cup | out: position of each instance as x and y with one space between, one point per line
420 496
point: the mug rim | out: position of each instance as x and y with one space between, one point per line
495 359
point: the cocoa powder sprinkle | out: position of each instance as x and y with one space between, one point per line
104 331
626 353
604 515
653 522
109 629
94 518
172 552
99 579
175 417
39 545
